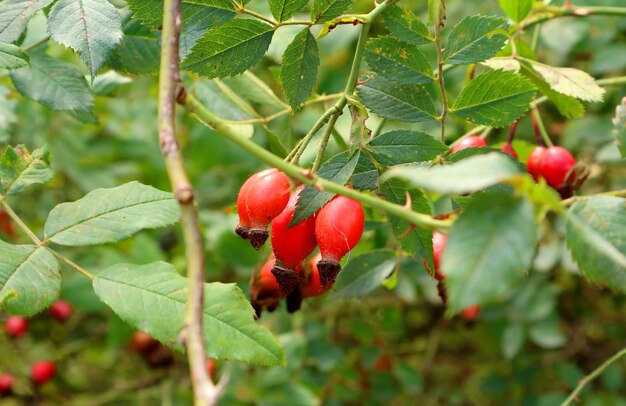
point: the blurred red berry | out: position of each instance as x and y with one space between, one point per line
6 384
16 326
61 310
556 164
42 372
470 313
533 163
508 148
469 142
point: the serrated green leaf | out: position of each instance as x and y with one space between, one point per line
482 259
596 236
92 28
30 279
151 11
230 48
405 146
53 83
139 51
326 10
410 103
285 9
473 40
406 26
466 176
337 169
11 57
418 241
495 98
298 72
568 106
620 126
14 16
401 63
17 171
364 273
153 298
197 19
516 9
110 215
365 175
570 81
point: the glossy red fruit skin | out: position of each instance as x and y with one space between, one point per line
291 245
261 198
508 148
266 281
439 243
533 163
16 326
339 226
556 163
42 372
470 313
314 286
6 384
468 142
61 310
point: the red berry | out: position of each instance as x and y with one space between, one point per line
16 326
143 343
6 384
314 286
556 164
533 163
5 224
508 148
61 310
291 245
439 243
42 372
261 198
338 228
470 313
468 142
211 367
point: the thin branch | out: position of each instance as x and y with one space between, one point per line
558 12
205 391
324 143
574 199
259 16
36 44
581 384
538 126
442 87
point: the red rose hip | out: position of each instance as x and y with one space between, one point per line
6 384
439 243
508 148
16 326
557 165
61 310
42 372
469 142
533 163
470 313
261 198
338 229
313 286
291 245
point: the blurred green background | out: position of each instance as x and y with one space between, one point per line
392 347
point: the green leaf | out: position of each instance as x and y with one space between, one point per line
92 28
11 57
216 100
110 215
30 279
364 273
7 112
596 236
466 176
197 19
419 241
151 11
153 298
620 126
512 339
495 98
326 10
139 51
298 72
337 169
503 63
14 16
489 249
18 171
570 81
516 9
406 26
108 83
398 62
365 175
53 83
568 106
405 146
474 40
230 48
285 9
410 103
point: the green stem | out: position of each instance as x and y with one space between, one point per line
71 263
574 199
324 143
207 117
259 16
440 79
581 384
542 129
205 392
573 12
36 44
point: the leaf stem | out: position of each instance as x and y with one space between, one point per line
574 199
71 263
440 80
324 143
205 391
593 375
196 108
571 12
35 44
273 23
538 125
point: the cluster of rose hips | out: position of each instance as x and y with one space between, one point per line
266 199
17 326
